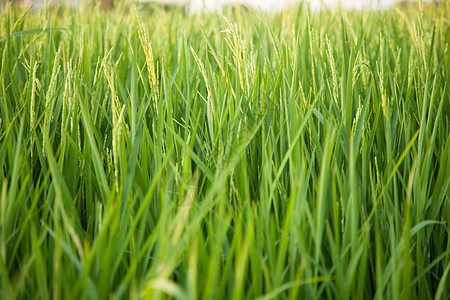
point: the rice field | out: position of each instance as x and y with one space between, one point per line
149 153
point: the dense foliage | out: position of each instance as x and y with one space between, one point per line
148 153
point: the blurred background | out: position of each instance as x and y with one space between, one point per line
195 6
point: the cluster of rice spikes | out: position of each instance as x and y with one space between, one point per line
145 153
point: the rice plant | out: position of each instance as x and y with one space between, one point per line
148 153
